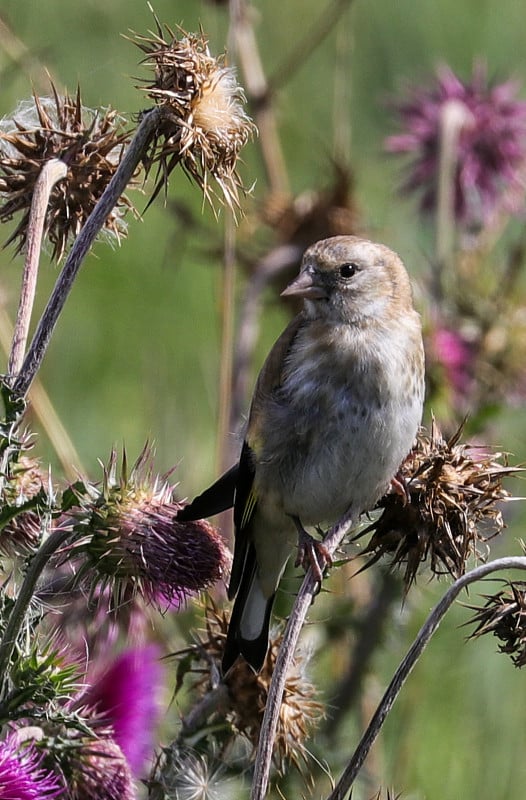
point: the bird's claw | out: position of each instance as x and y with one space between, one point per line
399 487
312 554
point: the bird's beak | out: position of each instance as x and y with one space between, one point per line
304 286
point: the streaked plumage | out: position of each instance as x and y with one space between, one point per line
335 410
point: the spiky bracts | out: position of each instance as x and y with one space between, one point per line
130 540
207 126
451 510
247 692
89 142
504 615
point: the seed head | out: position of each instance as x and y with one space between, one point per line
300 712
504 615
91 145
206 126
453 509
184 774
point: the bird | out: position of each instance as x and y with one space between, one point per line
335 411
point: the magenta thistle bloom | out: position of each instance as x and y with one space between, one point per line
457 355
133 541
89 622
125 697
102 773
491 143
21 775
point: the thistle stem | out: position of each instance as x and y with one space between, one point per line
45 412
258 93
402 673
224 446
132 158
52 172
453 118
284 658
27 591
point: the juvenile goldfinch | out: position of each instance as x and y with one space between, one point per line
335 411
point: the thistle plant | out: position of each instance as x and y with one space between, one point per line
206 126
452 509
488 143
64 172
89 143
97 574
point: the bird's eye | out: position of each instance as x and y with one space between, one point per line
348 270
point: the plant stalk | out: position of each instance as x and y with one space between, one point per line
427 630
297 618
82 244
52 172
27 591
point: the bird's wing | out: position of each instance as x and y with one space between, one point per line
245 501
213 500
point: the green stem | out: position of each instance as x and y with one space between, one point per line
27 590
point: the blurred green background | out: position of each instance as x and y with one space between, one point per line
135 355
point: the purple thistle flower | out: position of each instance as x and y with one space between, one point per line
101 773
133 542
456 354
88 621
21 775
491 143
125 696
143 546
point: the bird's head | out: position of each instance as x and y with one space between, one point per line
351 280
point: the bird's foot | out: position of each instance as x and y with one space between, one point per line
311 553
399 487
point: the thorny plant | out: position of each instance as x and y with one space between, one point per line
90 566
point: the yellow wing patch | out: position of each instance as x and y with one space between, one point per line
249 508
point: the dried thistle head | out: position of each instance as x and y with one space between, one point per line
504 615
183 773
315 214
131 541
453 509
299 713
206 125
89 142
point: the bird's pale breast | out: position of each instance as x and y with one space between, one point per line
342 421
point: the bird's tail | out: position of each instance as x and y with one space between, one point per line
248 631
